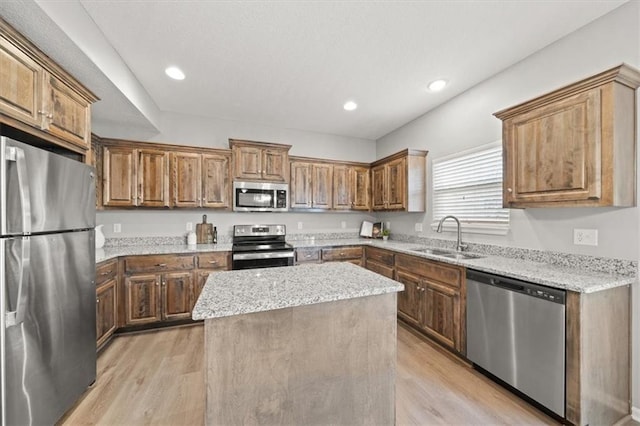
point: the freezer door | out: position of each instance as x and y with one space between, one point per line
43 192
48 325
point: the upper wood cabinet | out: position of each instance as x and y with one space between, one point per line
37 96
153 178
133 177
201 180
398 182
351 189
119 171
311 185
575 146
139 174
260 161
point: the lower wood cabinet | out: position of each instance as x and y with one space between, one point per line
164 288
343 254
434 299
380 261
157 288
351 254
106 301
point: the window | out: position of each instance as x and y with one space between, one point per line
468 185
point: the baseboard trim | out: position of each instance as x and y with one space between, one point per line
635 414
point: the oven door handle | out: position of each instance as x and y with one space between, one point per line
263 255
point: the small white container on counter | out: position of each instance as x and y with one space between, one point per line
192 239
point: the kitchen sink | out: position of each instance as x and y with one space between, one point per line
448 253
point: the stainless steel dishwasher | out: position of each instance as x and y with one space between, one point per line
516 332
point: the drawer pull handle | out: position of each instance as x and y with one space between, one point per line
341 254
213 262
307 256
106 273
161 265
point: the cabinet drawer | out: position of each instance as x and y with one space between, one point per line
157 263
382 256
216 260
443 273
379 268
106 270
304 255
341 253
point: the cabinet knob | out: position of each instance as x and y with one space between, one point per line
97 300
509 190
164 283
157 284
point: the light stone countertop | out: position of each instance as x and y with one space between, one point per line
257 290
568 278
107 253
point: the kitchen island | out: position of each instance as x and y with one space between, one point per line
312 344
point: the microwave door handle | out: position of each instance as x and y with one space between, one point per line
13 318
16 154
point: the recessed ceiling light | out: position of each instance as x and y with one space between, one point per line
175 73
350 106
437 85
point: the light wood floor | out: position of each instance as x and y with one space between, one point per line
156 378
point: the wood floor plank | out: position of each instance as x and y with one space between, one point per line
156 378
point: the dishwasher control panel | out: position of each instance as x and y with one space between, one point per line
530 289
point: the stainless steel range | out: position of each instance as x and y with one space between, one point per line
260 246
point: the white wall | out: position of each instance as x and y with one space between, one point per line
467 121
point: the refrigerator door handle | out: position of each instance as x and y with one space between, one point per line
13 318
16 154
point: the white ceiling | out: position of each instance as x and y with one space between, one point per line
293 64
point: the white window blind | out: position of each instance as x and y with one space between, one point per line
468 185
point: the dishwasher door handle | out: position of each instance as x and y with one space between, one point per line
507 285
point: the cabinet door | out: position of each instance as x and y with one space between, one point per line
321 184
119 170
409 300
248 162
105 311
379 185
396 184
342 199
274 165
177 288
442 307
554 152
142 299
360 189
216 185
21 81
69 114
187 175
300 186
153 178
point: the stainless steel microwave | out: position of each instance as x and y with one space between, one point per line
260 197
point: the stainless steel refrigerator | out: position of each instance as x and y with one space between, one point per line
47 291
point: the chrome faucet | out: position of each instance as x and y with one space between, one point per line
460 246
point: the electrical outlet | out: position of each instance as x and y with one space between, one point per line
299 225
189 226
387 225
418 227
117 228
343 224
585 237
